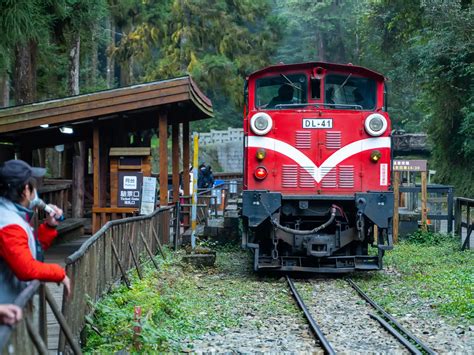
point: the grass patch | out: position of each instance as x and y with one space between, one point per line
180 303
425 272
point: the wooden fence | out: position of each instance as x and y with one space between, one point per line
462 209
100 263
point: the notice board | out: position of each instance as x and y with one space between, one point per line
129 189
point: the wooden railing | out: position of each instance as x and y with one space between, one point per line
210 202
30 334
101 262
102 215
462 209
57 193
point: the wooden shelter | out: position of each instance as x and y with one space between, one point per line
108 119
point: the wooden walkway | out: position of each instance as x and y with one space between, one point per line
57 254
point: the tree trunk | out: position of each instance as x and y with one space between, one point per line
4 90
74 54
94 60
110 57
24 80
183 60
321 50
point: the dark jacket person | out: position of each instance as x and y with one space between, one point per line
19 249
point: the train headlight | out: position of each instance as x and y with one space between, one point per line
261 123
261 173
261 154
375 124
375 156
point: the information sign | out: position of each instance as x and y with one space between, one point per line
129 191
148 195
409 165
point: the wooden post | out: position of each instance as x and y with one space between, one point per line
175 162
78 180
186 189
96 177
163 136
424 200
396 205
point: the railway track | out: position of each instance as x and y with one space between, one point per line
384 319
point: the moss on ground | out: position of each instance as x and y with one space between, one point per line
425 271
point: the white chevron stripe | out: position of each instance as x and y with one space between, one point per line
300 158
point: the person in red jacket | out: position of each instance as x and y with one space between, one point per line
20 248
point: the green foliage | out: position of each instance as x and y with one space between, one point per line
426 271
179 306
424 47
428 238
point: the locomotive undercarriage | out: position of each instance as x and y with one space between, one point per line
325 234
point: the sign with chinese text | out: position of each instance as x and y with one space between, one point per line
129 191
409 165
148 195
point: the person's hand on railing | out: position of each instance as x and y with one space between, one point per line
67 286
10 314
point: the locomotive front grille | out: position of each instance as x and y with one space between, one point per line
333 139
306 178
294 176
303 139
346 176
289 176
330 179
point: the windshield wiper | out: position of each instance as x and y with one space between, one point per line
344 83
297 105
290 82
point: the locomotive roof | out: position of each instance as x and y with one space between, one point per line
343 67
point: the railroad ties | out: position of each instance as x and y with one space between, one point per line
400 333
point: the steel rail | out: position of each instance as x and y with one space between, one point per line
412 348
328 349
407 333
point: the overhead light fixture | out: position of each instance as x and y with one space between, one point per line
66 130
44 125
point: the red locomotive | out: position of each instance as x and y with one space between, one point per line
317 162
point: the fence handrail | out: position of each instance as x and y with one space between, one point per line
465 199
88 243
22 299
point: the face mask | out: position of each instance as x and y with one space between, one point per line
34 202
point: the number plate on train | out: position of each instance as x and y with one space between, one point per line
317 123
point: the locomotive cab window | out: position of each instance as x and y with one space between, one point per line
284 91
349 92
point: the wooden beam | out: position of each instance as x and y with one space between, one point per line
396 203
104 166
424 200
175 162
186 180
186 158
96 172
163 154
78 186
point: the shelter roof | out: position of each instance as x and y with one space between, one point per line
136 106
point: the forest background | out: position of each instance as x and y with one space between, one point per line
58 48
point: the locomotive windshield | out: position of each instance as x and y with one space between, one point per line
283 91
349 92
